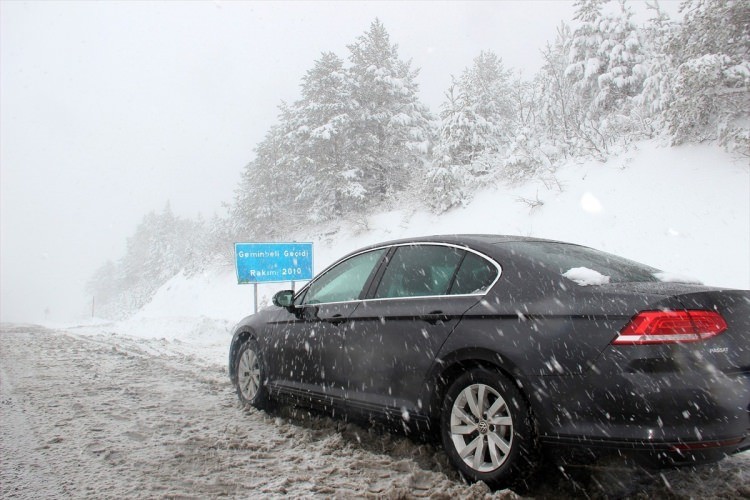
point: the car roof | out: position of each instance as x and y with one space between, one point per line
489 244
459 239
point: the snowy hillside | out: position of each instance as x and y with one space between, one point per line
685 210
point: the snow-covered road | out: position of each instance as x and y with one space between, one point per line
110 416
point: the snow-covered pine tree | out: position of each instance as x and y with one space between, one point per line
657 68
162 245
476 120
476 125
219 236
583 69
457 141
527 152
605 58
447 172
559 104
487 90
201 245
163 257
320 132
710 95
622 50
264 200
138 273
390 127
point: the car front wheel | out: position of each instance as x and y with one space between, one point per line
486 429
250 374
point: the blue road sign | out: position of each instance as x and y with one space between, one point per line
273 262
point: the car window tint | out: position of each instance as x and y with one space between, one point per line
419 270
474 276
345 281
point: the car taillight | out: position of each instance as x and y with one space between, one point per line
669 327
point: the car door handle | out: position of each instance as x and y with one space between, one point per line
434 317
336 319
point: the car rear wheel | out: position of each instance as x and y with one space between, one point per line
250 374
486 429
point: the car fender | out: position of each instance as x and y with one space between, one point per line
242 332
450 363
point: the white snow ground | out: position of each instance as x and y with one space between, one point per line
104 415
685 210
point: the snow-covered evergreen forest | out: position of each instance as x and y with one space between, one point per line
359 139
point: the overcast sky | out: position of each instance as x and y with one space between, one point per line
110 109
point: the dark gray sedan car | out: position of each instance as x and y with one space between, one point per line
506 347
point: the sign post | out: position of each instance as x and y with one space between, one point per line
272 263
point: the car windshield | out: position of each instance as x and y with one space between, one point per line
581 264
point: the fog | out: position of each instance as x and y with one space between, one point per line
112 109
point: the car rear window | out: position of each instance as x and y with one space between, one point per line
474 276
561 258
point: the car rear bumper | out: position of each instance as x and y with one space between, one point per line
678 416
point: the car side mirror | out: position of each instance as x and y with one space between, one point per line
284 298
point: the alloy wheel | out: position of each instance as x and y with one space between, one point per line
248 374
481 427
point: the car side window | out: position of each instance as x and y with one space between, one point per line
345 281
474 276
419 270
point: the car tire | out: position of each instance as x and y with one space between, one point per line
487 429
250 374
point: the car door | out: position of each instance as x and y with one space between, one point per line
395 334
308 340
